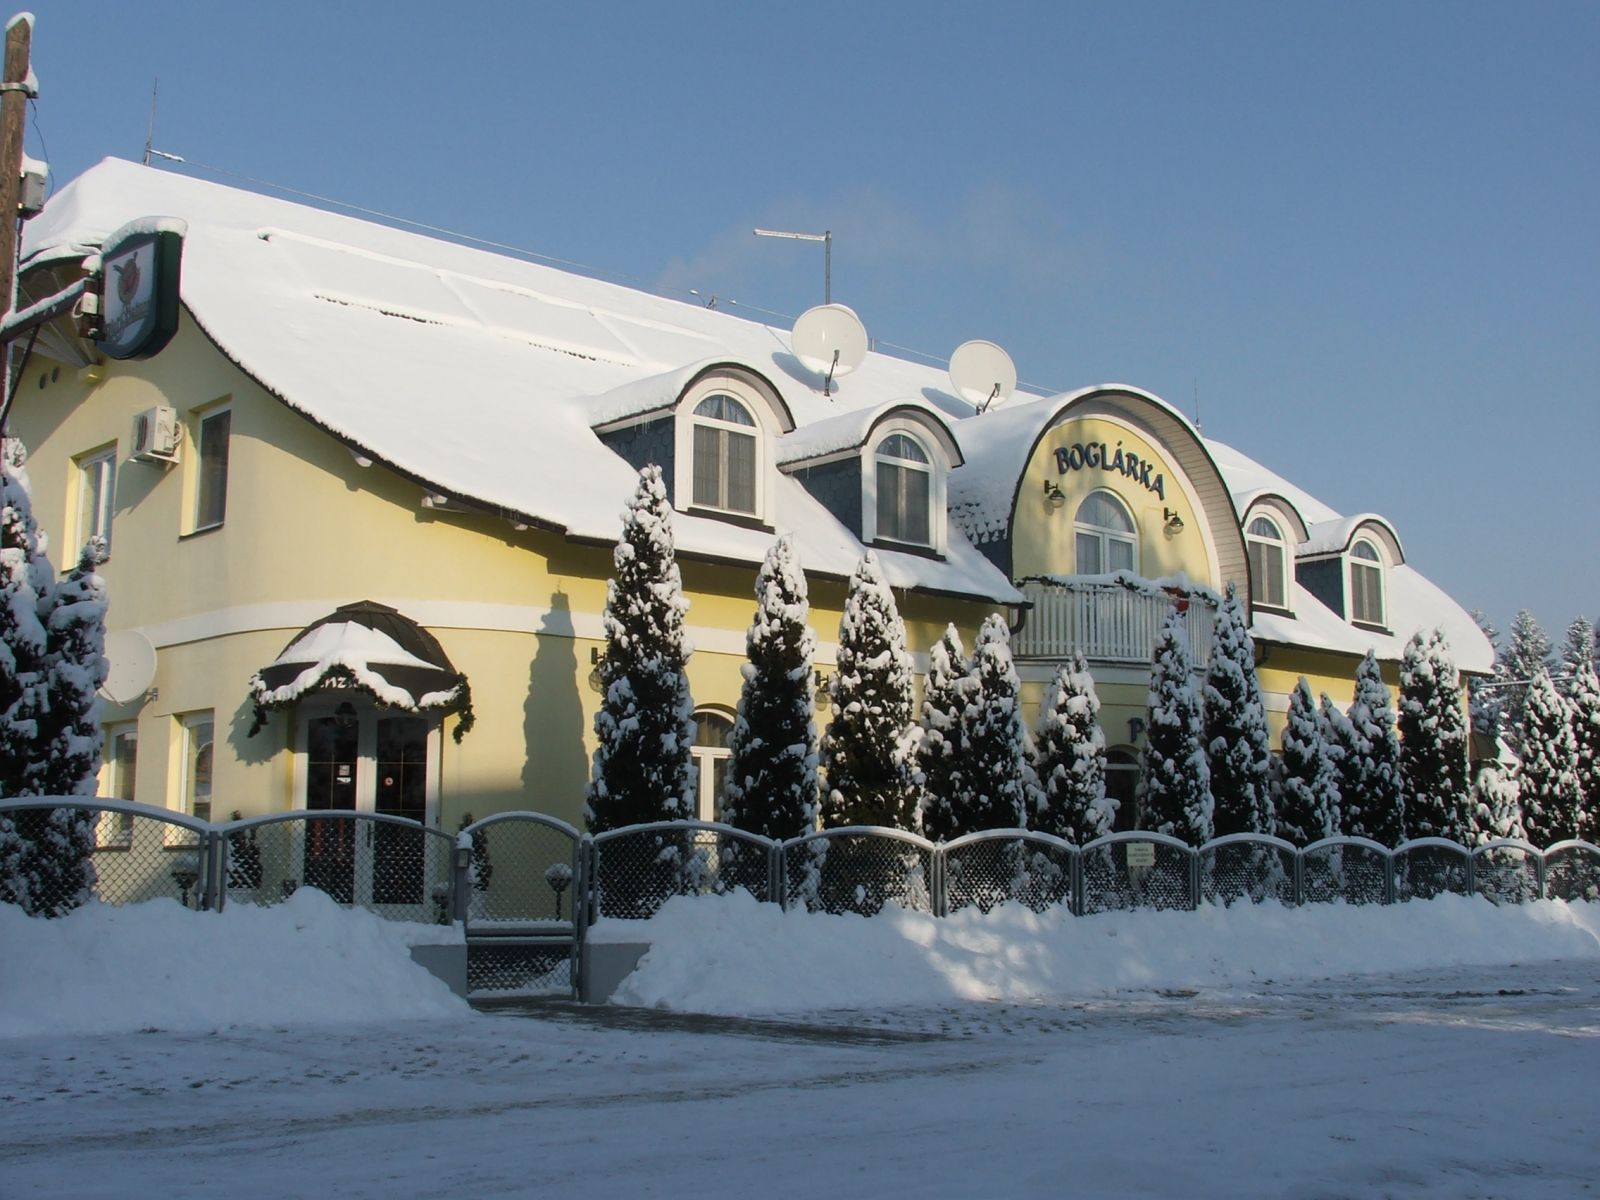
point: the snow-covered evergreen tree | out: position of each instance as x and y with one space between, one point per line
1497 806
645 725
1433 742
1375 805
1583 701
1070 757
939 759
1528 651
1308 781
866 750
1175 783
1546 774
1577 652
771 784
25 577
1238 750
1484 700
993 789
1344 748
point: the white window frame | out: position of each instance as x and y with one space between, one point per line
89 519
1379 565
367 715
1277 545
116 829
705 759
199 493
192 723
1106 534
938 468
759 407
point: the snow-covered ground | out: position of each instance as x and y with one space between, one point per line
1154 1055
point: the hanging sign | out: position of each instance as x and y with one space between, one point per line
1141 854
1097 455
139 288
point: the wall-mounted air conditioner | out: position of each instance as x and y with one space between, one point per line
155 435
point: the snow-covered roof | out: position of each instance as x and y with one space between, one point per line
850 430
366 329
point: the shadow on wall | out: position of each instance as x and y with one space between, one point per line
557 766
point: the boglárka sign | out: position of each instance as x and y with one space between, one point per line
139 267
1098 456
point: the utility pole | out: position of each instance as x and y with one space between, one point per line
15 91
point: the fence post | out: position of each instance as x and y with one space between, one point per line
581 880
1389 893
1299 876
216 871
777 887
1472 873
1194 879
460 877
1075 882
936 893
1539 874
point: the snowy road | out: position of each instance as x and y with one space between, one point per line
1461 1082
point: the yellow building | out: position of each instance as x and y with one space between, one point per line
371 458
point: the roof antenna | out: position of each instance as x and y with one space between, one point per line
1197 402
149 138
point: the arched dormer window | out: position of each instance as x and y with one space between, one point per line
1366 584
725 429
1105 538
1269 557
903 474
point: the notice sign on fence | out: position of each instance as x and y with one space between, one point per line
1141 854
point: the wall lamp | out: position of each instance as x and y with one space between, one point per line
1174 523
1054 496
1135 728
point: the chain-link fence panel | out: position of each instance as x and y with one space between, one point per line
1137 870
1429 867
388 865
1348 870
982 870
1247 867
1506 872
1572 871
519 966
858 869
522 872
639 868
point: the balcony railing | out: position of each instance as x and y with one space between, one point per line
1107 622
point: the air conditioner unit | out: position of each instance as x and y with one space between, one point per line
155 435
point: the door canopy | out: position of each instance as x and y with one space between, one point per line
365 647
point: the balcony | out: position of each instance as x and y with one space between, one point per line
1107 621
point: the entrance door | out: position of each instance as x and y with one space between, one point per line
359 759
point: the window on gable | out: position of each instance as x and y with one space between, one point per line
726 457
1366 584
1269 554
1105 536
97 479
905 491
211 490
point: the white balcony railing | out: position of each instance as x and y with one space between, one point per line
1107 622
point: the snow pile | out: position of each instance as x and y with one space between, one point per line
157 965
733 955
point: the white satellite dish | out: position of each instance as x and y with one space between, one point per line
132 659
983 374
830 340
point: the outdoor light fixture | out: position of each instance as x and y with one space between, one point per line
1135 728
1174 523
1054 496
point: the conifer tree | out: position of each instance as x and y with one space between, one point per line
1546 777
1433 742
1071 759
1308 784
1497 806
24 591
1377 810
1584 706
994 741
1175 784
1344 751
939 758
1485 701
772 766
1528 652
866 750
1238 750
1577 652
644 728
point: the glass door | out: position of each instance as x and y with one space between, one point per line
399 859
332 770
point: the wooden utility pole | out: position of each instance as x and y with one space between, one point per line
13 118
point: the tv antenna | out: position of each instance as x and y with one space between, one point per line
826 238
982 374
830 340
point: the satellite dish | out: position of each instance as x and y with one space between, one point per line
983 374
133 666
830 340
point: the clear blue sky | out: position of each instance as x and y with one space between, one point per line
1368 233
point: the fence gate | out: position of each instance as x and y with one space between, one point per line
523 908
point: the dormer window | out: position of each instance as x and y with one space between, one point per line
905 487
1269 552
1366 584
726 455
1104 536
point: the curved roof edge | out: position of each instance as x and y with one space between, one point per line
850 431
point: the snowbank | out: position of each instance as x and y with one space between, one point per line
732 955
157 965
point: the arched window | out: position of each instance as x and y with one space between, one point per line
727 460
1366 584
905 490
1122 783
1269 554
1106 540
712 731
